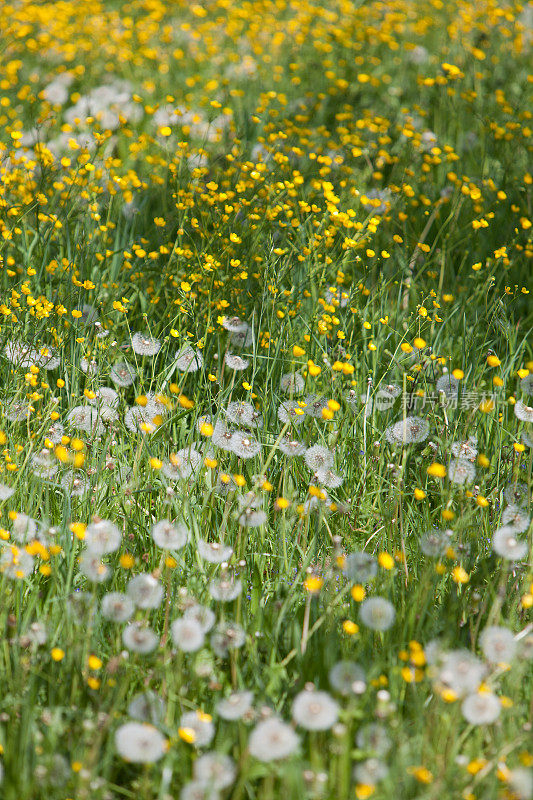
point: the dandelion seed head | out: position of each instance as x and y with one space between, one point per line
506 544
93 568
86 418
139 743
482 708
187 634
411 430
216 770
377 613
315 711
225 589
290 411
292 383
523 412
123 374
235 706
145 591
244 445
461 471
147 707
347 676
201 725
516 517
374 737
102 537
202 615
170 535
498 644
292 447
139 638
370 772
314 406
319 458
517 494
461 671
225 637
145 345
360 567
117 607
272 740
214 552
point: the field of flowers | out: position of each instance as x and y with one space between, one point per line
266 400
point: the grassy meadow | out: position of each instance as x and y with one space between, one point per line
266 364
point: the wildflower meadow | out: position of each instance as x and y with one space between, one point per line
266 400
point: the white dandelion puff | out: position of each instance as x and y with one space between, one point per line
523 412
222 436
139 638
16 563
225 590
145 591
234 324
360 567
235 706
147 707
291 411
93 568
123 374
145 345
292 383
187 635
520 780
189 360
244 445
506 544
370 772
241 413
315 711
318 458
105 396
215 770
202 615
140 743
314 406
170 536
227 636
374 736
435 543
516 517
76 483
86 418
292 447
516 494
461 671
24 528
448 385
214 552
410 430
201 726
183 464
498 644
272 740
466 449
102 537
117 607
377 613
526 384
482 708
236 363
461 471
347 677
